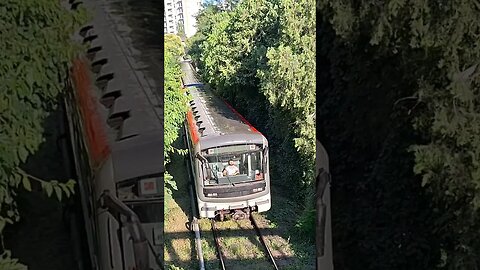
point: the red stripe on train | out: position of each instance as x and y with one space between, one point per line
192 127
96 137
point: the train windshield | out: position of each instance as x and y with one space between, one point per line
234 167
144 197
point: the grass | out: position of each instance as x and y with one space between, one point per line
177 249
179 245
283 216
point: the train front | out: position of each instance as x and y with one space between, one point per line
130 210
234 178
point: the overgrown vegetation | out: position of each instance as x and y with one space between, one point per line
175 102
398 114
260 55
36 50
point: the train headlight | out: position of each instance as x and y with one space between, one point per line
257 189
212 194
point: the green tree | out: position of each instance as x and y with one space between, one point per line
36 50
175 101
289 81
415 62
181 30
261 56
204 26
173 45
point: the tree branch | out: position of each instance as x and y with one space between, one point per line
31 176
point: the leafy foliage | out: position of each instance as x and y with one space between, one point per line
8 263
204 25
36 49
173 45
175 101
401 82
288 82
260 55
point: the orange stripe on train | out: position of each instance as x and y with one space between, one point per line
96 138
193 129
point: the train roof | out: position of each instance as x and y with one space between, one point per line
138 156
217 122
127 98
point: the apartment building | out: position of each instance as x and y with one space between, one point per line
181 13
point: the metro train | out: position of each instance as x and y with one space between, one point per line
116 145
228 157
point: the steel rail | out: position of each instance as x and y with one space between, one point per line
262 240
221 257
217 245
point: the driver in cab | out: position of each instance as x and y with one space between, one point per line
230 169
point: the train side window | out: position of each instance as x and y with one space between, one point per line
205 172
200 170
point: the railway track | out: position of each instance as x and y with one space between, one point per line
195 228
220 254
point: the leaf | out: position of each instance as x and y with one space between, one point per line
29 78
22 153
16 180
26 183
66 189
48 189
2 224
58 191
71 185
3 192
466 74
